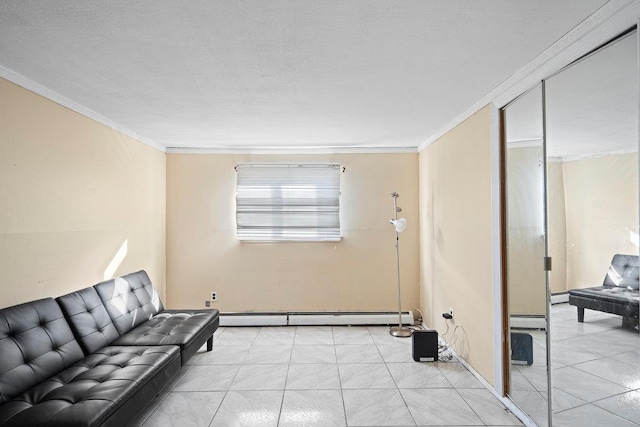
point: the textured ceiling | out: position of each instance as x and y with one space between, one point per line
591 106
294 73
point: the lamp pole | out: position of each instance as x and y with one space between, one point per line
398 331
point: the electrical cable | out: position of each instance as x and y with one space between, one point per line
444 350
421 319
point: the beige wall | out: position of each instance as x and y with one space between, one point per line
455 233
358 273
72 192
557 226
601 197
593 214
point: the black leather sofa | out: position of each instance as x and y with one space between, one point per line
618 294
96 356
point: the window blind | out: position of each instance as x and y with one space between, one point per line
288 202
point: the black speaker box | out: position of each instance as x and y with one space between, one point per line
521 348
425 346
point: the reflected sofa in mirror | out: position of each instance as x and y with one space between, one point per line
592 195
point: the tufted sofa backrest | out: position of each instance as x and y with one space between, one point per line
130 300
35 344
88 319
623 272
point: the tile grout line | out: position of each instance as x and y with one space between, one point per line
226 392
471 407
341 389
400 393
608 397
286 378
568 324
344 406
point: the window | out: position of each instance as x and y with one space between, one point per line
288 202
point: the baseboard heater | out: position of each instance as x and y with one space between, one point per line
315 318
523 321
560 298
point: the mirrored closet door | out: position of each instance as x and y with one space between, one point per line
525 247
570 169
592 194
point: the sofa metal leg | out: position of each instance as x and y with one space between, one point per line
581 314
210 343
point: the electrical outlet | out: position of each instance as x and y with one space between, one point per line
214 296
207 303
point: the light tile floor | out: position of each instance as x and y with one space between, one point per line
320 376
595 372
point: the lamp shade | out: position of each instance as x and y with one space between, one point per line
400 224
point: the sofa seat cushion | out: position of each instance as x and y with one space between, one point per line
184 328
611 294
91 391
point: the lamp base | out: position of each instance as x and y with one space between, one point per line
400 331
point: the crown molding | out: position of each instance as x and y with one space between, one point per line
51 95
600 154
292 150
525 143
610 20
561 159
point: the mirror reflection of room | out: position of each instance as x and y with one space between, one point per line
592 194
525 247
571 193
